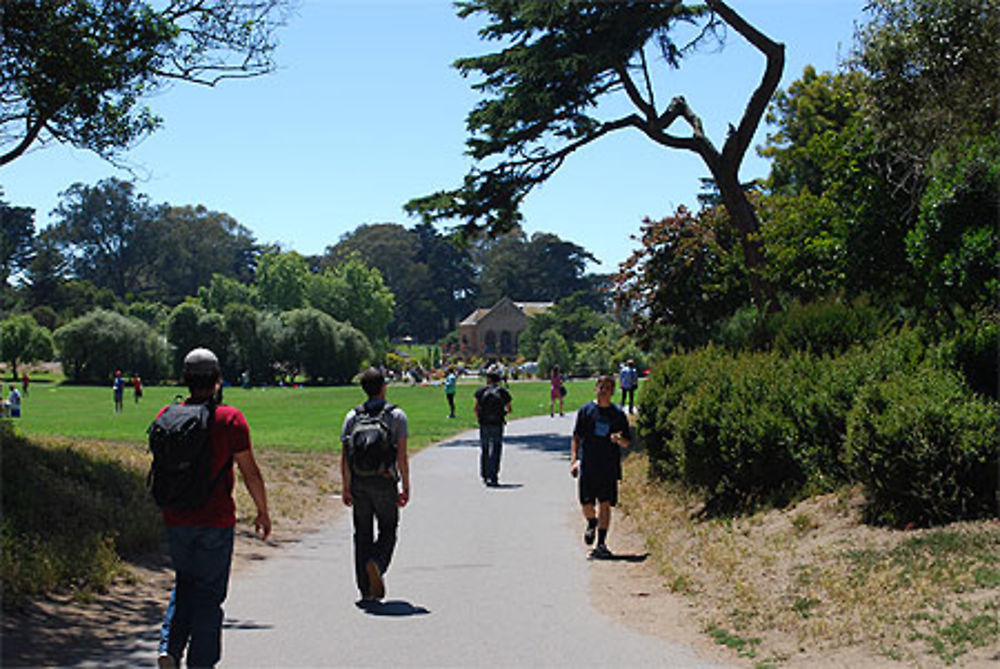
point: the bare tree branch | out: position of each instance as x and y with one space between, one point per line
738 142
30 135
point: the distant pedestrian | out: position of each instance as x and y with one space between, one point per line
375 473
118 386
601 431
557 391
14 402
25 382
492 404
136 387
629 379
201 538
450 388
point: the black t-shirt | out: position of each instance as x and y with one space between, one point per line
492 401
594 427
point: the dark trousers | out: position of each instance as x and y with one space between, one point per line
375 501
490 450
451 404
201 557
630 393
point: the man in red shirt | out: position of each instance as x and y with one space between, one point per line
201 539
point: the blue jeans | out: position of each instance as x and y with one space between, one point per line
375 500
201 557
490 449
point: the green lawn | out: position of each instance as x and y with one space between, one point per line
280 418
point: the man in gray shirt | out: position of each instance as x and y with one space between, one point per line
376 491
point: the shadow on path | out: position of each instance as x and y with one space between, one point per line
549 443
506 486
237 624
395 608
623 557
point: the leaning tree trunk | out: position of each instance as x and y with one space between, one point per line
725 164
744 218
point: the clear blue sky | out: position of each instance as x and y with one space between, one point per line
365 112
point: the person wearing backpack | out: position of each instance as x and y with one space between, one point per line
375 474
492 404
199 510
629 379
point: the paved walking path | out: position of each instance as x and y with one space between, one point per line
481 577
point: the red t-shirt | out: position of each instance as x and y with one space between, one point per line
230 435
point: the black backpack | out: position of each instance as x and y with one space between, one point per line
180 477
371 450
491 406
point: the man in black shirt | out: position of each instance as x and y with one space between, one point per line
491 408
600 433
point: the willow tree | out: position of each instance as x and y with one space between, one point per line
541 94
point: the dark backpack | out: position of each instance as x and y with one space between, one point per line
370 448
180 477
492 406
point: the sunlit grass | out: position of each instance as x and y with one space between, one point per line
281 418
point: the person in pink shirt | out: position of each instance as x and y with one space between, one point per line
556 390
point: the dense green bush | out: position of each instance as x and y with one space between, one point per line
668 384
974 350
761 428
828 326
735 438
93 346
925 449
328 351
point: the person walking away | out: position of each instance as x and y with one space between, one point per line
136 388
629 379
557 391
25 382
375 472
492 404
13 402
601 431
118 386
450 388
201 538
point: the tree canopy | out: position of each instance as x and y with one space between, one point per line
541 94
77 72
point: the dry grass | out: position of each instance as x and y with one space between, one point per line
812 581
300 485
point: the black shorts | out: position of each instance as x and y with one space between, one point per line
600 484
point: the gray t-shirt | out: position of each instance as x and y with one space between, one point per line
397 426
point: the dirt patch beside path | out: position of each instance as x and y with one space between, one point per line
303 494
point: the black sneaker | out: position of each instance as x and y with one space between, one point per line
589 533
601 552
